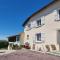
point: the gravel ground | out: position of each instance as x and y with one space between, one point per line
28 55
3 52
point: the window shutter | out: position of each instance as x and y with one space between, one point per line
34 24
42 20
56 14
42 36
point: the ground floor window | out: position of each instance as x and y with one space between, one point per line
40 37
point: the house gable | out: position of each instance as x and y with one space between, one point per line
45 7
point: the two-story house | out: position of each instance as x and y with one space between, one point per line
42 29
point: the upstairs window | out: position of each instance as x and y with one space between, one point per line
29 25
39 22
59 13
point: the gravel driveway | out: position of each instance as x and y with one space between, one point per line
28 55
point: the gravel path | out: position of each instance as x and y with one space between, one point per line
28 55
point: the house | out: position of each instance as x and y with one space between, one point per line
42 29
16 40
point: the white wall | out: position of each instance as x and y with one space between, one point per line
50 28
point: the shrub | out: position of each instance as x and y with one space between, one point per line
53 47
4 44
48 48
21 46
16 47
27 45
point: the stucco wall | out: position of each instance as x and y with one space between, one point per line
50 28
22 38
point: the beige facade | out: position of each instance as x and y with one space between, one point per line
21 38
49 28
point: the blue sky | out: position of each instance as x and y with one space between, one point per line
14 12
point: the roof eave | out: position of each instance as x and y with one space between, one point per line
38 11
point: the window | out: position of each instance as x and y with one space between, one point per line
59 13
38 37
39 22
27 37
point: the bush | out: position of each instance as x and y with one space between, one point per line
21 46
53 47
27 45
16 47
3 44
48 48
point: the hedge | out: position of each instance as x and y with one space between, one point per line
3 44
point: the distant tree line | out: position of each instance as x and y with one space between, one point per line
3 44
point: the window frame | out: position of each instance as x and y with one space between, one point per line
38 38
39 22
58 15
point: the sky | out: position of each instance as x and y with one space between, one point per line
14 12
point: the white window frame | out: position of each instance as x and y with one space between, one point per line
42 37
57 16
36 38
42 19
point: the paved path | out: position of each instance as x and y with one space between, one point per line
28 55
